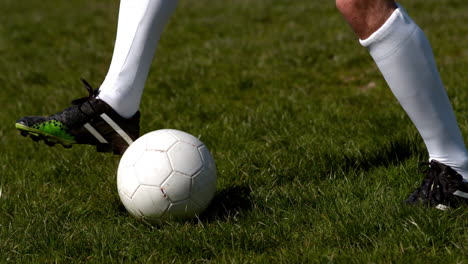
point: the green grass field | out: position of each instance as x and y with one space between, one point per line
314 154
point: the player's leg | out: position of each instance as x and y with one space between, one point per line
108 118
140 26
366 16
404 56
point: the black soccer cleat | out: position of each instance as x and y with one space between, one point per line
88 121
442 187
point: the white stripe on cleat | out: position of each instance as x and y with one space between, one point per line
117 128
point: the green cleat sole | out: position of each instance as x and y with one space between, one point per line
37 135
51 140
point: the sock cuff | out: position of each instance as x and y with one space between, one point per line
391 35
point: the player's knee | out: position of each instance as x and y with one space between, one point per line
344 5
354 8
350 7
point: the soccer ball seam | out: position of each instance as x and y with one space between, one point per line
175 178
181 140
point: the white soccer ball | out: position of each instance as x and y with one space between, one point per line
166 174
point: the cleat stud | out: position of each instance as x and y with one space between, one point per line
67 146
49 143
35 138
24 133
116 152
103 148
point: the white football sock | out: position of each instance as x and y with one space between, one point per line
404 56
140 25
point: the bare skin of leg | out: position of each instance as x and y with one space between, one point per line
366 16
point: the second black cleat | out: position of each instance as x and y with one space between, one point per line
88 121
442 188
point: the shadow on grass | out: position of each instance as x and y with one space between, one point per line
387 155
391 154
228 202
328 163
